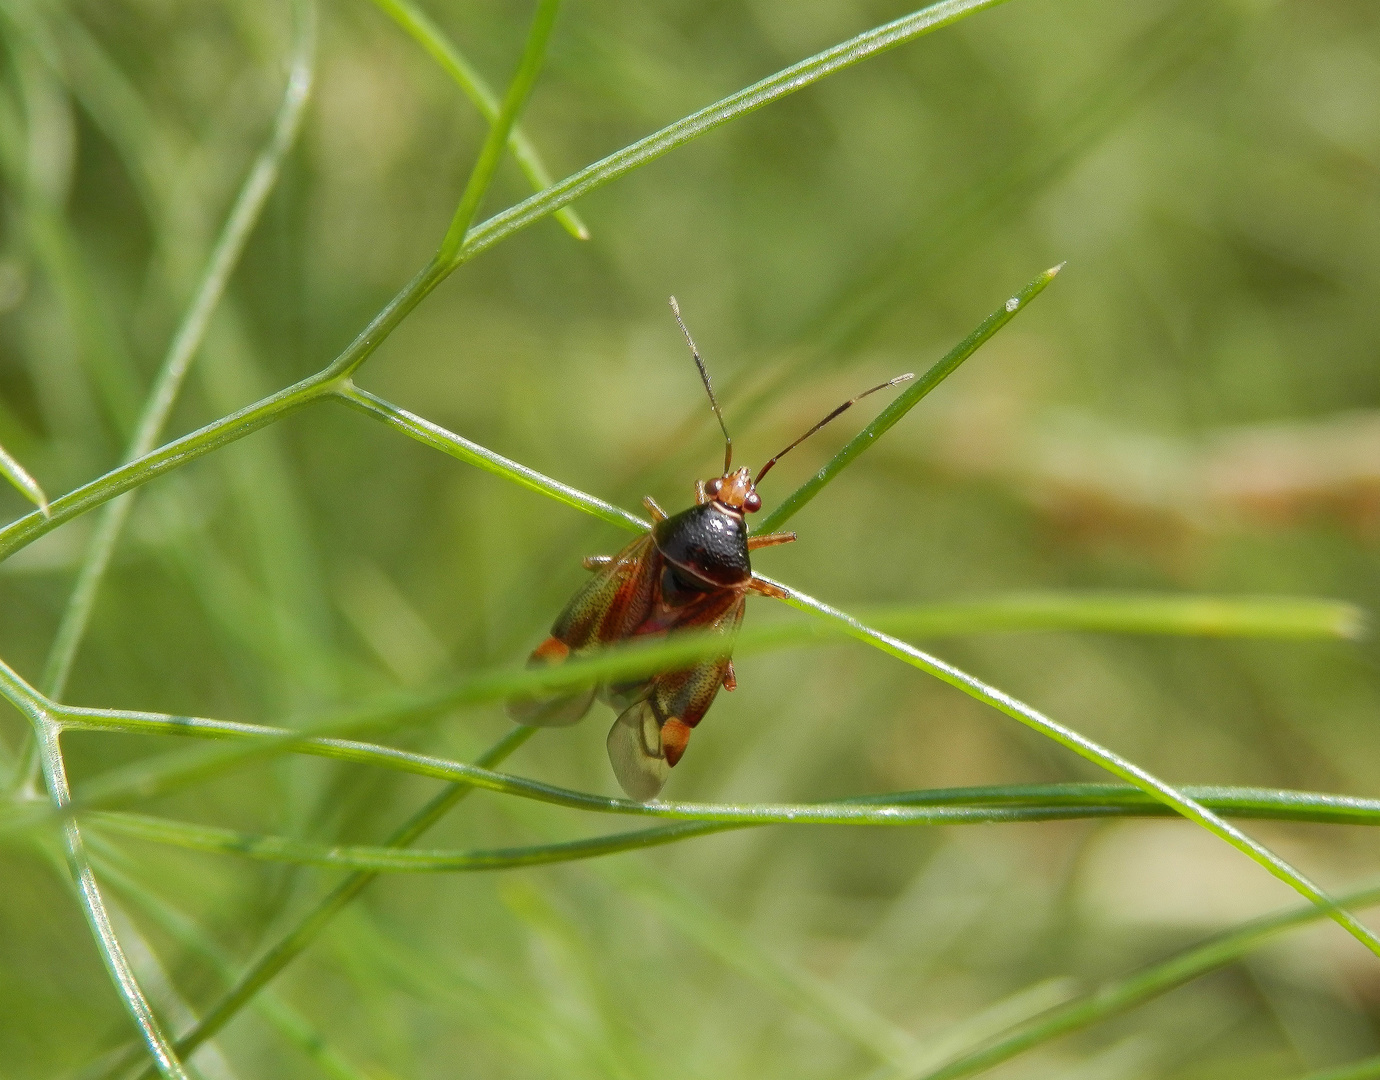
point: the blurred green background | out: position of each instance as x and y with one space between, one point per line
1194 405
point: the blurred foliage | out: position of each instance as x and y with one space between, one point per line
1193 406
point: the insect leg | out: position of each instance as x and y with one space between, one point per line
701 494
597 562
658 514
730 677
766 588
769 540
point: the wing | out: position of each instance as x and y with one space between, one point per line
608 607
650 736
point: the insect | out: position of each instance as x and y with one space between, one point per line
692 570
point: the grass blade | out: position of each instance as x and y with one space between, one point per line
311 389
163 395
166 1061
1099 755
1278 617
429 36
904 402
491 153
648 149
956 806
437 437
290 946
16 474
288 1021
1116 997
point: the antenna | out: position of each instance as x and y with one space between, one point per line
841 409
708 387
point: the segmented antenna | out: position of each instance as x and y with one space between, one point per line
841 409
708 387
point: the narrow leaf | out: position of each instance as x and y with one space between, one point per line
499 131
904 402
440 48
16 474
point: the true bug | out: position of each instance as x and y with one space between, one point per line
690 571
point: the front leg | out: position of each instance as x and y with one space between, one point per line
769 540
767 588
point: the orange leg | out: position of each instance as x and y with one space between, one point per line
766 588
769 540
658 514
730 678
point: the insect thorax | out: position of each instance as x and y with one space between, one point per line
709 541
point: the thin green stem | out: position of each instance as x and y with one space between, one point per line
1099 755
784 82
291 945
17 475
252 417
1116 997
491 153
166 1060
437 437
1198 615
221 263
904 402
955 806
420 27
288 1021
626 660
165 459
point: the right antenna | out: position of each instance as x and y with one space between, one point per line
841 409
709 388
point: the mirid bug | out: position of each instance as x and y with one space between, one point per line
692 570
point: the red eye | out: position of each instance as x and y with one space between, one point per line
752 503
713 486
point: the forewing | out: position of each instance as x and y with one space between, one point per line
606 608
614 602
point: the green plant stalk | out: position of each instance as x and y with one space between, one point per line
438 438
440 48
904 402
945 807
1276 617
1091 751
167 386
291 1024
291 945
1116 997
491 153
165 1059
17 475
392 711
787 81
276 406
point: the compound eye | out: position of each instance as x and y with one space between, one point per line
752 503
713 486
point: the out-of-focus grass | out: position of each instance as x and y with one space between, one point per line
1186 412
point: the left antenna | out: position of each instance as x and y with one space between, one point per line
708 386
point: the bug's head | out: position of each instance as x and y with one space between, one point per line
735 491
